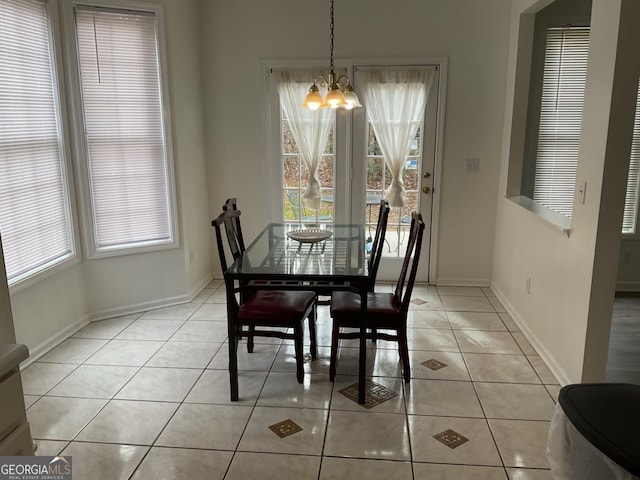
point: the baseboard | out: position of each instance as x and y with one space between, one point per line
49 344
200 286
548 359
43 348
628 287
138 307
462 282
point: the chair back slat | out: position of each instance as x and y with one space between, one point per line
409 270
229 220
373 261
231 205
217 225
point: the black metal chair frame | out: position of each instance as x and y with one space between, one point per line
397 320
229 220
373 262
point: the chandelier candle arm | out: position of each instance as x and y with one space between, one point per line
340 93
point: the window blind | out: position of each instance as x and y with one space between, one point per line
630 217
125 138
564 77
34 214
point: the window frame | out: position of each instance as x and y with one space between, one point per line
73 257
527 179
300 189
342 155
398 227
635 234
93 251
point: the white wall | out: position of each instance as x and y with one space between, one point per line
48 311
238 36
567 314
183 39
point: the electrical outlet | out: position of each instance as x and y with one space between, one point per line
473 165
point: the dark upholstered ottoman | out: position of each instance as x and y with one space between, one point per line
595 433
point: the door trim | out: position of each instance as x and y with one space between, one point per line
441 63
345 189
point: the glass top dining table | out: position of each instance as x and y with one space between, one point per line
336 262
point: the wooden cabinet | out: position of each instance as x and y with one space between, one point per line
15 437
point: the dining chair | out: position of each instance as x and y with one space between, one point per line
385 311
263 313
373 261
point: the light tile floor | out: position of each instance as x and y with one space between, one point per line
147 396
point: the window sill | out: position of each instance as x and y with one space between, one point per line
555 219
43 272
132 249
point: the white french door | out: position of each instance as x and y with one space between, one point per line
354 177
372 178
290 173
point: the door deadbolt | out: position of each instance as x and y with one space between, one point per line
426 175
426 189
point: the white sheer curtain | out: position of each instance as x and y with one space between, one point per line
395 100
310 129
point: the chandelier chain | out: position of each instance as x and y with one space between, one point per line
331 37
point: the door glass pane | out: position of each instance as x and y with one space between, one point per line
295 177
288 144
378 174
416 144
325 172
291 171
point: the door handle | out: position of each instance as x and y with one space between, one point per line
426 190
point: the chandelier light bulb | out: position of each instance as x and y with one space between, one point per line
350 98
335 98
313 100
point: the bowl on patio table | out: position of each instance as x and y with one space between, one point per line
309 235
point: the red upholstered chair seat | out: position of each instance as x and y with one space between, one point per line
275 307
383 309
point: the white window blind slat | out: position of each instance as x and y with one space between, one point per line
34 216
564 79
630 218
125 136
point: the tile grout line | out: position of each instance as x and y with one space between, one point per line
253 408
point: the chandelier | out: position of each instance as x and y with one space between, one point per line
338 96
